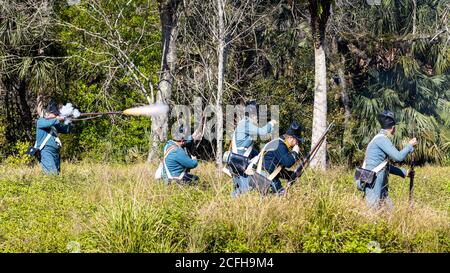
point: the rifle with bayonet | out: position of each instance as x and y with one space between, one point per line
307 159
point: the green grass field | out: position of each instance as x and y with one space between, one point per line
120 208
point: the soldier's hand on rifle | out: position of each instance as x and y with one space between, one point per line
60 118
296 149
413 141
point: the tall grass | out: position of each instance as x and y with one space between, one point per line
121 208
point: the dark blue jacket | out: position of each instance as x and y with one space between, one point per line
278 154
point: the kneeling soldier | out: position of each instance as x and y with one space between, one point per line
176 162
242 143
378 153
275 157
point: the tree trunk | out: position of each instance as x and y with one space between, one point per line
414 17
320 12
320 107
339 59
40 103
169 26
24 110
220 79
344 92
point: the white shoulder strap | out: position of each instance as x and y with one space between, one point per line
378 168
260 161
45 141
169 150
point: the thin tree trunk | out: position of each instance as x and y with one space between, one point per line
344 92
342 85
24 109
220 79
414 16
169 26
320 107
40 103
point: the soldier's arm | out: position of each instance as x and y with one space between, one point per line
184 160
287 159
397 171
46 123
396 155
259 131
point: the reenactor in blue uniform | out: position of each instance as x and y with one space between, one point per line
47 129
276 156
242 142
176 161
379 151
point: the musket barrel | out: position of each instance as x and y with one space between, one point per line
304 162
100 114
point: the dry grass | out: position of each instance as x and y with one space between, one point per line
120 208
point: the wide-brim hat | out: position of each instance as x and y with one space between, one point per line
295 131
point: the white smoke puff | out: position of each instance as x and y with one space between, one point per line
66 110
67 121
147 110
76 113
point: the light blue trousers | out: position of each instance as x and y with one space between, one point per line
379 194
50 160
241 185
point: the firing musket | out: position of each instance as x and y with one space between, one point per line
411 175
146 110
307 159
100 113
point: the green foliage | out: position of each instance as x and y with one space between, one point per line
106 85
20 156
38 214
405 73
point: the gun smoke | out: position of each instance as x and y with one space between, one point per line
69 112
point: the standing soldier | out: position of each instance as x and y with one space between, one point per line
47 129
242 142
379 151
275 157
176 161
